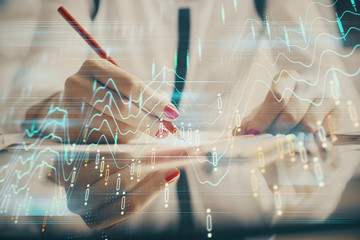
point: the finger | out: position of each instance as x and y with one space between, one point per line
130 114
314 118
108 102
128 85
91 167
106 189
103 128
123 181
290 116
151 185
108 179
106 127
275 101
132 202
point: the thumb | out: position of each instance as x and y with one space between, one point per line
133 201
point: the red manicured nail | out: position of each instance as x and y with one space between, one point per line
171 175
170 126
162 134
171 113
253 131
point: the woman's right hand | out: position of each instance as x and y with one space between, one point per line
90 99
106 106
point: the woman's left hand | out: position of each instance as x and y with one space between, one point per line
291 105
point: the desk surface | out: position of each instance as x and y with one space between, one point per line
42 189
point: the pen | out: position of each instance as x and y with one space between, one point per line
97 48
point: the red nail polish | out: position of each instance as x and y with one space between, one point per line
171 175
162 134
170 112
253 131
170 126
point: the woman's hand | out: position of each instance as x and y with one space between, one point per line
104 97
113 102
290 106
104 194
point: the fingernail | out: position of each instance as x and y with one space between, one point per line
253 131
170 126
171 175
162 133
170 112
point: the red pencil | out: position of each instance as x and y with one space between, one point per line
94 45
85 35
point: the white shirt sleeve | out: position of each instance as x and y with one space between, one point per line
18 23
52 53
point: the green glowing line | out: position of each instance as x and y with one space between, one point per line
175 60
223 14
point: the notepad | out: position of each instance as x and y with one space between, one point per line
345 138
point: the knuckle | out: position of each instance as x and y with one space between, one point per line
121 107
132 83
94 221
71 82
284 84
74 82
135 206
126 134
290 117
310 126
317 101
277 91
124 140
91 63
127 80
291 72
123 110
